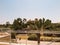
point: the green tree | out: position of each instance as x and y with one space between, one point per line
47 23
17 24
30 24
24 23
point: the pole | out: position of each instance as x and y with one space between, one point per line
26 35
10 37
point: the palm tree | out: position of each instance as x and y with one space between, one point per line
40 25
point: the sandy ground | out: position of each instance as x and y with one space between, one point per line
23 42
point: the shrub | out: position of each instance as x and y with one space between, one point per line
32 37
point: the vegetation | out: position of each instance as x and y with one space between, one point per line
32 37
31 24
36 24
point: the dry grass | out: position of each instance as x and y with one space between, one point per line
42 37
22 36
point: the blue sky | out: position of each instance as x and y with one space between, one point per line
29 9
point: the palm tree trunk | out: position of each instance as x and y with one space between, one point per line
38 38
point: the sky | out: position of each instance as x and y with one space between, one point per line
29 9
